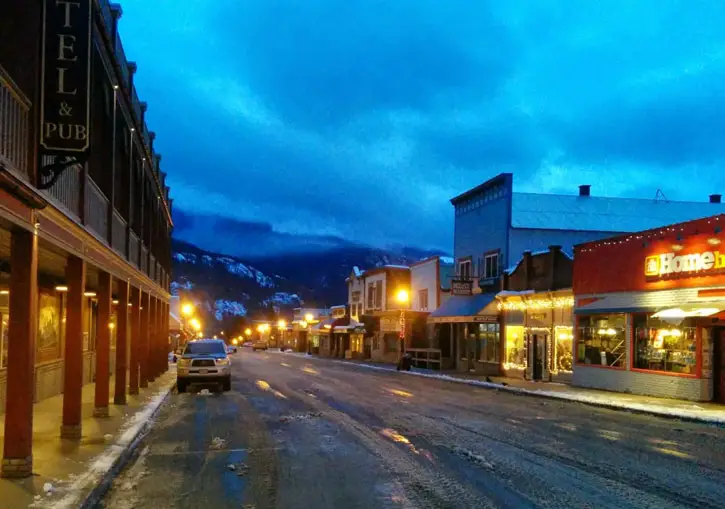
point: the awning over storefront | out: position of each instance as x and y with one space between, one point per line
349 327
323 326
466 308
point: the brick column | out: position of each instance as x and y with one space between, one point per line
103 344
75 273
135 320
119 397
144 343
22 327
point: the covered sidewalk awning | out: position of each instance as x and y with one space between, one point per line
466 308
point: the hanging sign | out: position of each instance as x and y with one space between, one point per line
461 287
66 76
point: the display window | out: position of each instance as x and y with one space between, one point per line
664 346
489 335
601 340
515 347
563 350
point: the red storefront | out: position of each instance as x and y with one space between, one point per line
650 312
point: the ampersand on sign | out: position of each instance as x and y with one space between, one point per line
65 109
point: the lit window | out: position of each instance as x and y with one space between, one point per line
601 340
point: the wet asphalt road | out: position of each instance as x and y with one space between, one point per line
312 433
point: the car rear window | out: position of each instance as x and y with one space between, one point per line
206 347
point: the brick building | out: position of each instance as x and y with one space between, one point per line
85 220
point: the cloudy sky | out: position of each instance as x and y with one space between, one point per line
362 118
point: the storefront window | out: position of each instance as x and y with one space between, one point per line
316 341
48 342
515 348
601 340
489 335
390 341
563 360
663 346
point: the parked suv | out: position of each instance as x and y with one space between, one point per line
204 361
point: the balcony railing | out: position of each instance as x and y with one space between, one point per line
14 126
133 249
144 259
152 267
118 233
65 190
96 210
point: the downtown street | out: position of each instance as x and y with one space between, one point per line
301 432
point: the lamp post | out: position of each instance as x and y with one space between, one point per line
309 317
403 298
282 324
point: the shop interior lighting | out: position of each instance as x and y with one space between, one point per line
681 313
89 294
607 332
61 288
4 292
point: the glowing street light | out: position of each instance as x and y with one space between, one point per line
235 341
247 332
281 324
187 309
309 317
402 296
196 324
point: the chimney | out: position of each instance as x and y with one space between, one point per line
585 190
527 268
553 261
715 198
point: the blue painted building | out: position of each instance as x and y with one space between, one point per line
494 226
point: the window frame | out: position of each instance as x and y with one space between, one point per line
577 340
491 255
461 262
423 299
633 351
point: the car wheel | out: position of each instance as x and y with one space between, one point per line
227 385
180 386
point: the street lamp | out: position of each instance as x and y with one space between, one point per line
309 317
186 311
282 324
247 332
403 297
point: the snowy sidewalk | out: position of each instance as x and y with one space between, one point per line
710 413
67 472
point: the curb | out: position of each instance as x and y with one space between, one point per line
108 474
674 415
104 483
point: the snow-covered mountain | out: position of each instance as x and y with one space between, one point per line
229 288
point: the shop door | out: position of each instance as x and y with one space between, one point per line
718 372
539 346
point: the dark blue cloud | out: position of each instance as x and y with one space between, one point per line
360 119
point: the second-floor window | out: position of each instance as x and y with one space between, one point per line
371 296
423 299
464 269
491 266
379 295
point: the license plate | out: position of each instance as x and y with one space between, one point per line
203 371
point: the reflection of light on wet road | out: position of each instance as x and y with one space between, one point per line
659 441
285 364
397 437
266 387
311 371
398 392
567 426
672 452
610 435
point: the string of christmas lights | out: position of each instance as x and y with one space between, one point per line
536 304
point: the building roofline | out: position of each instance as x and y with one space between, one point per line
385 268
615 198
659 230
490 182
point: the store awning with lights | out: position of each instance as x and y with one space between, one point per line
466 308
324 326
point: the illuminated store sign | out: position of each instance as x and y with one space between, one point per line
672 264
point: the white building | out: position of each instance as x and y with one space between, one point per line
430 282
355 293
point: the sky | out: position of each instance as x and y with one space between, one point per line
360 119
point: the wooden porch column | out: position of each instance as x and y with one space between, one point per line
144 343
103 344
165 337
22 331
119 397
73 367
153 341
135 319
